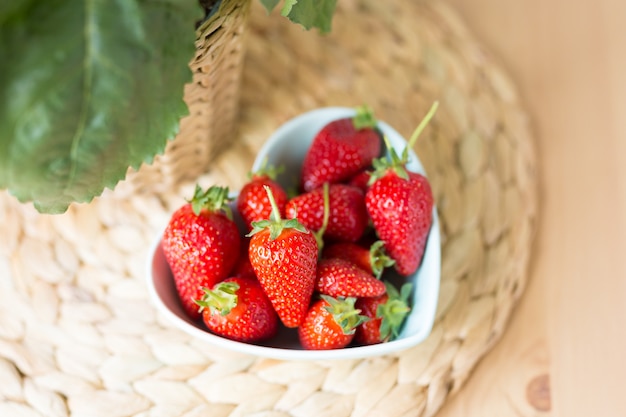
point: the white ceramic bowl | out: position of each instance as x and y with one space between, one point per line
287 146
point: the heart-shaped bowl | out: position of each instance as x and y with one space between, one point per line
287 146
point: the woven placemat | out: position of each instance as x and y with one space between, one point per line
79 337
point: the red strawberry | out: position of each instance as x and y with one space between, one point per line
360 180
400 205
347 218
373 260
243 267
340 149
386 313
330 324
401 211
238 309
284 255
199 243
252 201
338 277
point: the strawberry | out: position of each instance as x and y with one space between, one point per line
347 215
373 260
284 256
400 204
252 201
198 244
330 323
238 309
386 312
338 277
360 179
243 267
401 211
340 149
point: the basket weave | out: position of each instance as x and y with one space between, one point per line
212 98
79 337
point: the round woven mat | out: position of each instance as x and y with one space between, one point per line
79 337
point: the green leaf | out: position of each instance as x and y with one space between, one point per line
88 89
269 4
310 13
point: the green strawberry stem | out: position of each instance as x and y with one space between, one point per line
221 299
213 199
379 260
319 235
364 118
267 170
392 161
394 311
275 223
344 313
418 131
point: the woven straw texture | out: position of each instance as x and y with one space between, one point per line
79 337
212 98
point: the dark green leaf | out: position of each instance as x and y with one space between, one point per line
88 88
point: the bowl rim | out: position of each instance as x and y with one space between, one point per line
431 267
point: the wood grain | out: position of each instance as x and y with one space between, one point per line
563 354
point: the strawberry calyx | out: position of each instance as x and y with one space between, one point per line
221 299
364 118
379 260
393 311
275 223
344 313
267 170
397 163
213 199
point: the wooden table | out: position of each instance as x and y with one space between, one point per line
564 353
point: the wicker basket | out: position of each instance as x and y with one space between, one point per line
79 337
212 98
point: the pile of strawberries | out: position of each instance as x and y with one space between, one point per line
310 260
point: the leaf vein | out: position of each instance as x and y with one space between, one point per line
86 95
